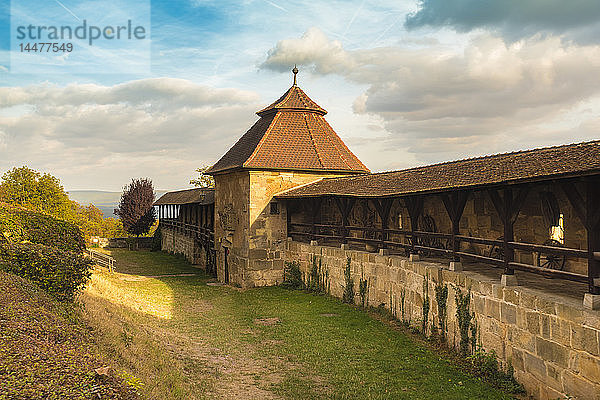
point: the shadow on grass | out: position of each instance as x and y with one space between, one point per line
214 342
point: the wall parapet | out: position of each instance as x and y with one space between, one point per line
552 342
176 242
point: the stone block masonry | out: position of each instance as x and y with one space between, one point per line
177 243
552 342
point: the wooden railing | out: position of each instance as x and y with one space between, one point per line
205 234
414 241
101 259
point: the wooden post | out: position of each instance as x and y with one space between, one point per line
291 206
383 207
508 206
587 210
455 206
345 206
414 205
315 205
593 233
288 217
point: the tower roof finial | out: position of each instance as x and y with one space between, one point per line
295 72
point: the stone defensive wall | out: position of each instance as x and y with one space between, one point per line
176 242
552 342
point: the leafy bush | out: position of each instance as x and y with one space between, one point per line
18 225
292 276
61 273
35 191
485 365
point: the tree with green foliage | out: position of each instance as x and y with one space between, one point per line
203 179
92 222
35 191
136 210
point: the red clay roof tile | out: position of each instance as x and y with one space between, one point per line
291 134
531 165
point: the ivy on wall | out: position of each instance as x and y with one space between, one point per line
441 298
348 295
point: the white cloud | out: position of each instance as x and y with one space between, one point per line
155 127
443 103
314 47
513 18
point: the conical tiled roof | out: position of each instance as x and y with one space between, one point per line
291 134
293 99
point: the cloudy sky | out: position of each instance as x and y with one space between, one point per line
406 83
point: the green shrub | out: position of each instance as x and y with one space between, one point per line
485 365
61 273
18 225
292 276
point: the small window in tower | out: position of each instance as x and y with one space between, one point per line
399 221
274 208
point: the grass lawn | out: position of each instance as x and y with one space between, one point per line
185 339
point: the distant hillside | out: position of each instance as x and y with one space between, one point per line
105 201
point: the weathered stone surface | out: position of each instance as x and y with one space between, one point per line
509 313
585 338
569 313
177 243
528 300
591 301
533 331
511 295
535 366
553 376
545 306
592 319
523 339
517 359
492 308
533 322
579 387
257 254
555 352
509 280
545 326
456 266
560 331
